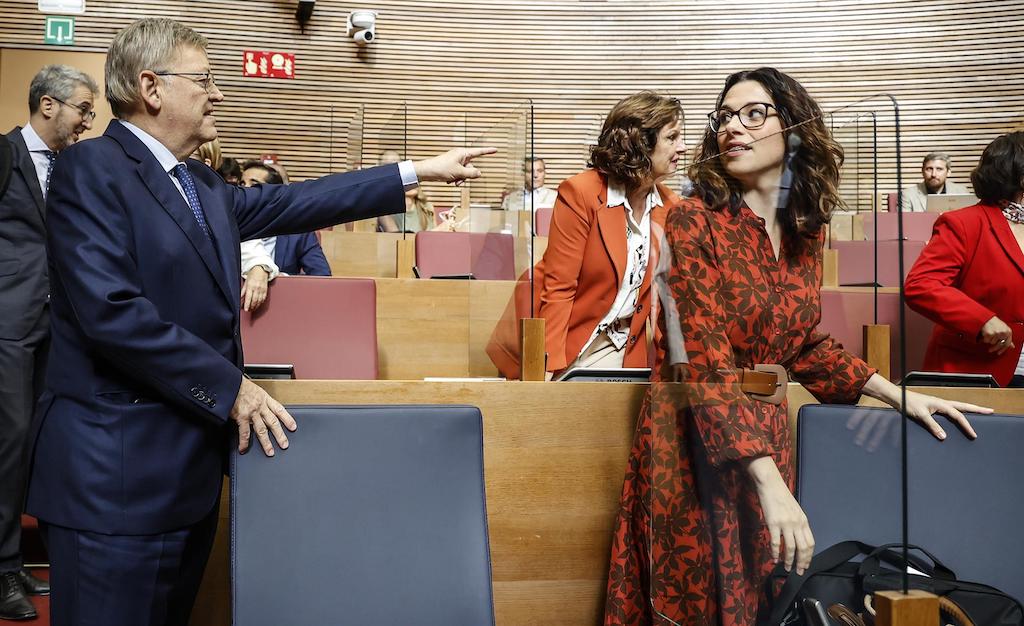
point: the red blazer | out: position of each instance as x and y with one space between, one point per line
583 266
971 270
576 282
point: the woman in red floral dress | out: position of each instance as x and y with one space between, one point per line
707 505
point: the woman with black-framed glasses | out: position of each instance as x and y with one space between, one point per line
707 507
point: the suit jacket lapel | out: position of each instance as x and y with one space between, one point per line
24 165
170 199
611 222
1004 235
218 223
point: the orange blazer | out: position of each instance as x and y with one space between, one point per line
583 266
971 270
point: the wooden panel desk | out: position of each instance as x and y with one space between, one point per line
361 254
437 327
429 328
374 255
554 456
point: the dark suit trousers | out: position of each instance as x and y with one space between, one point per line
130 580
22 370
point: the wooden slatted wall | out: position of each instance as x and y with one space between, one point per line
461 67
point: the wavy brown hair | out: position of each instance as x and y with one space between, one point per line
814 194
629 136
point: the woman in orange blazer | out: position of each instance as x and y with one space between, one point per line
595 296
969 279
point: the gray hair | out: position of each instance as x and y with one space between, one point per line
936 156
59 81
146 44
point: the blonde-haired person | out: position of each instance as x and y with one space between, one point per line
209 153
418 216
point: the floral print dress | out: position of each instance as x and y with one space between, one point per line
690 544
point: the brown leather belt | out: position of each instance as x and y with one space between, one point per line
766 382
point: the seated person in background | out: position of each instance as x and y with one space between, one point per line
388 223
264 259
419 215
533 185
593 286
969 279
230 171
934 170
596 289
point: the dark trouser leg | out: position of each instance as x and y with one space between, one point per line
142 580
22 368
1017 381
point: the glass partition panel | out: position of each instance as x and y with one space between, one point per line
386 142
354 148
495 216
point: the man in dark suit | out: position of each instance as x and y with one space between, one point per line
291 254
300 254
145 384
60 110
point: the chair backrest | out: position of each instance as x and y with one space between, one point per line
374 515
845 313
543 218
325 327
916 226
488 256
961 495
857 268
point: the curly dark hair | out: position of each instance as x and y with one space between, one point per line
815 165
629 136
999 176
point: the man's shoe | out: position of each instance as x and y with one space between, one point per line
13 603
33 586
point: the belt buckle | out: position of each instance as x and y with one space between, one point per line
781 383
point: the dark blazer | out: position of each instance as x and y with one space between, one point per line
23 279
133 429
300 254
971 269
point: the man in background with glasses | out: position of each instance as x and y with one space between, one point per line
60 103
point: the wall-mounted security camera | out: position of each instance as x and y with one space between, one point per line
361 26
304 12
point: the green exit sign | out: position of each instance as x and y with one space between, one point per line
60 31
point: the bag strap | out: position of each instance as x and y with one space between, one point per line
827 559
891 553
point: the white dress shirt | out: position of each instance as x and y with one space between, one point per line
260 252
518 200
638 253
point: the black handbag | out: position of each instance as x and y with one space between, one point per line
834 577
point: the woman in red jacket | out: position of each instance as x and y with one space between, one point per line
593 284
969 279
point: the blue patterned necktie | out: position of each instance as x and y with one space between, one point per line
189 186
51 156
